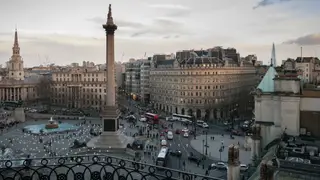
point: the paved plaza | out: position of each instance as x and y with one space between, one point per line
215 145
24 144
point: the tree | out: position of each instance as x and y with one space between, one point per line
44 90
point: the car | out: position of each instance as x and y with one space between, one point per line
219 166
205 125
184 130
194 159
177 153
200 123
185 135
244 167
226 123
143 119
236 132
163 142
169 135
162 134
178 131
138 144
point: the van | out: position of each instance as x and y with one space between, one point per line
163 142
169 135
200 123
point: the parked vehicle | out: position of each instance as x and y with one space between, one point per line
177 153
169 135
244 167
194 158
185 135
219 166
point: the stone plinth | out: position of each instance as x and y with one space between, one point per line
110 141
19 115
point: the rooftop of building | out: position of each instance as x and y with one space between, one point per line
26 81
267 84
299 155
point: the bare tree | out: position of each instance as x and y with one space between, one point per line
44 90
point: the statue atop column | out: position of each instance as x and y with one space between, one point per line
109 12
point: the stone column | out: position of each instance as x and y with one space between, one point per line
111 139
14 94
256 142
233 163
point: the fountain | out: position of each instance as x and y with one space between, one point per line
52 124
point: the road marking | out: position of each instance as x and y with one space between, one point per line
182 145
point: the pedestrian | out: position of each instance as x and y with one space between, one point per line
207 173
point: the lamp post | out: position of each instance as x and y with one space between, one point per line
203 146
194 126
220 151
207 146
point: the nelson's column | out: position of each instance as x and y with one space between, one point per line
111 138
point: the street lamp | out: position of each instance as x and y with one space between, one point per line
207 146
194 126
202 146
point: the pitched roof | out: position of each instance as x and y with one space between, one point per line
267 83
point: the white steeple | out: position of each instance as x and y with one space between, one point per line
15 64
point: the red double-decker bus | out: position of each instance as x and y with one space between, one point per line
152 118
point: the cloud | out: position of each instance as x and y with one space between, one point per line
263 3
162 27
172 10
171 37
168 6
120 23
311 39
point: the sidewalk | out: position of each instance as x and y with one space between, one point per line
217 143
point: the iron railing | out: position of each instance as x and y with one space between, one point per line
89 167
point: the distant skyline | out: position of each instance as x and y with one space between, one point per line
63 32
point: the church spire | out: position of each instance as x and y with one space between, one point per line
16 48
16 42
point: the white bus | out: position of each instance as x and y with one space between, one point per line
180 117
162 157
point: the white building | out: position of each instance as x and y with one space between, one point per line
120 68
133 78
144 81
281 105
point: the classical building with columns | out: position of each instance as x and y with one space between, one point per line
79 87
14 86
201 83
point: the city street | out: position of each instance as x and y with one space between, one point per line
182 144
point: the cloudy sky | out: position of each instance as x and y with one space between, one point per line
66 31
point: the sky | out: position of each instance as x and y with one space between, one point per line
63 32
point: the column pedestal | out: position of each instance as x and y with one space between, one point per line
112 138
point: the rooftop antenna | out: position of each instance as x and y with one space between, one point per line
122 57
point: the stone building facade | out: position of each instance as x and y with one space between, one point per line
79 87
198 84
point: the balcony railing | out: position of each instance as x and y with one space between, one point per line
94 167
